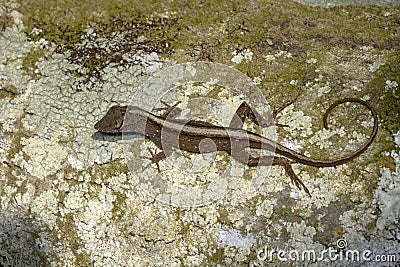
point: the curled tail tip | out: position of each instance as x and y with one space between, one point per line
347 100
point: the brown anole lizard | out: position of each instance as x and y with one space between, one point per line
166 132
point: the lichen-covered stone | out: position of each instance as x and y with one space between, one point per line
70 197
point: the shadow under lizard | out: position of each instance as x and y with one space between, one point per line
166 132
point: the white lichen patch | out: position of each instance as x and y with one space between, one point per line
26 198
245 55
45 208
300 232
301 239
257 80
391 85
322 90
197 170
360 218
394 87
5 145
54 101
321 138
292 144
45 155
388 193
265 208
298 123
195 260
94 220
374 66
243 191
311 61
270 58
279 54
74 200
323 189
71 184
181 181
233 238
271 179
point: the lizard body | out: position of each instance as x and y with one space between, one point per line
196 136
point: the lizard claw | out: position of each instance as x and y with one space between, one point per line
158 167
278 110
169 110
167 106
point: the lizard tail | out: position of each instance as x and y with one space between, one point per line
297 157
371 137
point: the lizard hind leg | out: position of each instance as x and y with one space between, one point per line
245 111
170 111
287 165
252 161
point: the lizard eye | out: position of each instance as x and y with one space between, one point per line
118 124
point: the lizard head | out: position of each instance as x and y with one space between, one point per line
117 121
113 121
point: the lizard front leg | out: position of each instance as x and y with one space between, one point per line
166 151
154 159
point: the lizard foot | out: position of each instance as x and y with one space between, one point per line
296 180
154 159
280 109
169 111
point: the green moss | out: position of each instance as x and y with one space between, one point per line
229 25
218 257
62 22
30 59
102 172
174 29
6 20
108 170
387 102
82 259
16 145
283 210
223 217
9 91
212 30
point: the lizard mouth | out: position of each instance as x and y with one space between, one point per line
104 128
